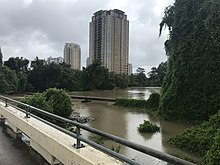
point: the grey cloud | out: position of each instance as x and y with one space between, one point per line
42 27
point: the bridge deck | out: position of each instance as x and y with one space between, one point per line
13 151
51 143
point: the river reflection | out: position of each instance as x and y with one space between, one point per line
123 122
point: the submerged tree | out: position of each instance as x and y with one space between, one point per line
191 90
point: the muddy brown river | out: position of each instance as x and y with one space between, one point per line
123 122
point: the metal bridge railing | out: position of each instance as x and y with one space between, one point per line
79 137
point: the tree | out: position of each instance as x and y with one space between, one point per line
1 57
141 77
60 101
191 87
8 80
37 63
19 65
132 80
96 76
121 80
43 76
53 100
71 79
140 70
22 82
156 75
36 76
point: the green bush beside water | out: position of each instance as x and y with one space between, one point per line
151 104
53 100
203 140
148 127
213 155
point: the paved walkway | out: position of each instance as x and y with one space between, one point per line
14 151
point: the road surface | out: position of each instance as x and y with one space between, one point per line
14 151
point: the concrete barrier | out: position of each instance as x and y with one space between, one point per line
54 145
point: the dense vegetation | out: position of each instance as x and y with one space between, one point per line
17 76
148 127
8 80
191 90
213 155
151 104
96 76
202 139
53 100
154 78
1 57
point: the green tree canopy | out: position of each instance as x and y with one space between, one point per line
8 80
19 65
157 74
191 90
43 76
96 76
60 101
121 80
53 100
141 77
1 57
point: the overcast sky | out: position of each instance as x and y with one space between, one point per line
30 28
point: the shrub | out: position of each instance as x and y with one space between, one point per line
39 101
212 157
148 127
60 101
198 139
153 102
55 101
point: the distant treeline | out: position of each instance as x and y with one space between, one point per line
16 75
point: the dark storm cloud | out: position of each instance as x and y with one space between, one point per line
54 21
31 28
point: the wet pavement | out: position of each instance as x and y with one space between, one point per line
15 151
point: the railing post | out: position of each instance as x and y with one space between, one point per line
78 144
27 114
6 102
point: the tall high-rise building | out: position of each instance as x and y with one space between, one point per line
109 40
72 55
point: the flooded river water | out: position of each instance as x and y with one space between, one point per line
123 122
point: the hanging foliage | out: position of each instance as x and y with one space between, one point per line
191 90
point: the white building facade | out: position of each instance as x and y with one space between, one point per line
72 55
129 69
57 60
